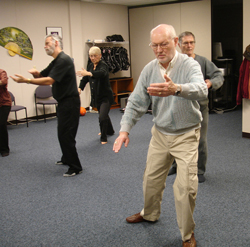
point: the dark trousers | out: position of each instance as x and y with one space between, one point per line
106 126
68 113
4 138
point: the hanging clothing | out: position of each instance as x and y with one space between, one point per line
243 84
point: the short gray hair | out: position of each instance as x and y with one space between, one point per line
186 33
55 37
168 28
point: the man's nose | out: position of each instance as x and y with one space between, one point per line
159 48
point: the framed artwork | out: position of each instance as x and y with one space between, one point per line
54 30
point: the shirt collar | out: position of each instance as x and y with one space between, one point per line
170 65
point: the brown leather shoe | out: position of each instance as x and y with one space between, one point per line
190 243
136 218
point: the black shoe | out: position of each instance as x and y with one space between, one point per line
201 178
172 171
4 154
71 173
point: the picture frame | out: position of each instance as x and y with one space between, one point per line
52 30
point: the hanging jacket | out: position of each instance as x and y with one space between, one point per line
243 84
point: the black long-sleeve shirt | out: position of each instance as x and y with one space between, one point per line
99 84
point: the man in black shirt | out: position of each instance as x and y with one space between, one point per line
60 73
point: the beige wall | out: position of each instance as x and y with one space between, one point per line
79 21
191 16
246 42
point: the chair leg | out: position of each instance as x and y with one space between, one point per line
36 113
26 118
56 109
16 117
44 114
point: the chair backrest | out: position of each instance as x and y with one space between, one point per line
43 92
12 97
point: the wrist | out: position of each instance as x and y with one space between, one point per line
178 90
28 80
124 134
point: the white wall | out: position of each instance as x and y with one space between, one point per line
79 21
246 116
31 17
246 42
191 16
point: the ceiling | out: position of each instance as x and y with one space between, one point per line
131 3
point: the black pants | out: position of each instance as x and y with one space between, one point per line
4 138
106 126
68 113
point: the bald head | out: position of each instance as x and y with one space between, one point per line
164 42
166 29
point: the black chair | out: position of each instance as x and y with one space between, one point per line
15 108
43 96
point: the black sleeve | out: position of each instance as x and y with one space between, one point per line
83 82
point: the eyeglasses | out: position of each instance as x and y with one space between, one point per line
162 45
186 43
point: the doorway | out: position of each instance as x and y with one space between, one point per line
227 32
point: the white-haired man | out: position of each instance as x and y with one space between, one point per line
173 83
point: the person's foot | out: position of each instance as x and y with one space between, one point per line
99 134
201 178
60 163
104 143
71 173
4 154
136 218
190 243
172 171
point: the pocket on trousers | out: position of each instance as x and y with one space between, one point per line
193 178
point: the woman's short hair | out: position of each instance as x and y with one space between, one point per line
94 50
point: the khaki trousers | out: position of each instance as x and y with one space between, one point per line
163 149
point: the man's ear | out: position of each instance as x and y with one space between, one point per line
176 41
57 43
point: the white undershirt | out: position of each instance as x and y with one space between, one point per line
170 66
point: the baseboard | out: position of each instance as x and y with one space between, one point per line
246 135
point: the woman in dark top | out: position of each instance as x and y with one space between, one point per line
97 74
5 106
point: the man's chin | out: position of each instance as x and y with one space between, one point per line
49 53
163 60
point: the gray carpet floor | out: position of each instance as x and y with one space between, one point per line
40 207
